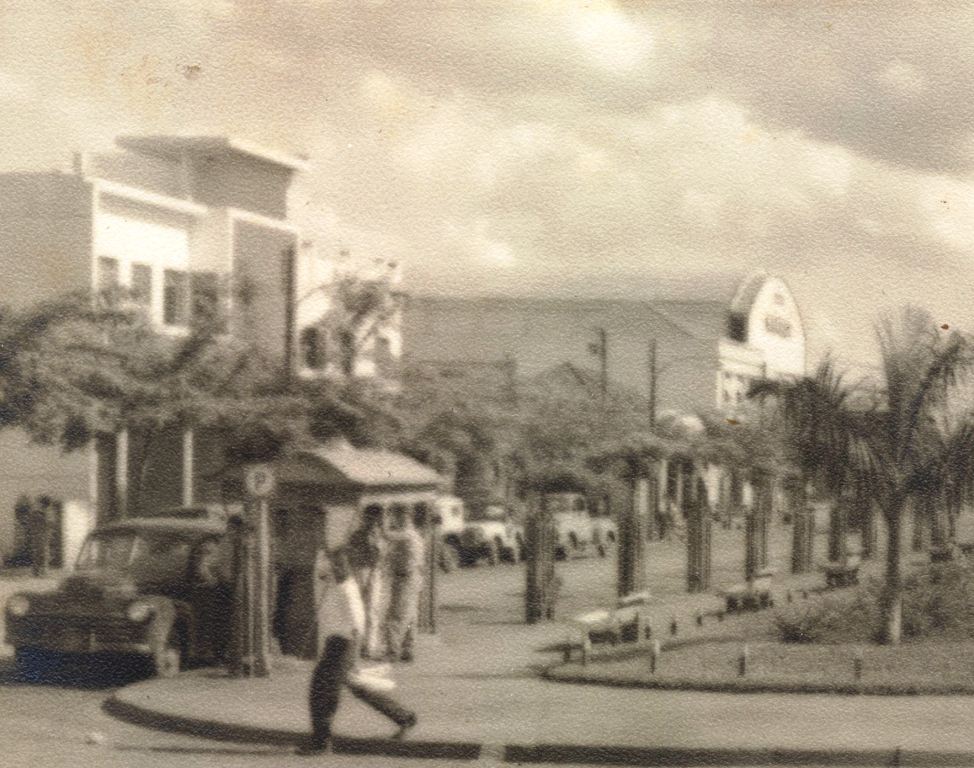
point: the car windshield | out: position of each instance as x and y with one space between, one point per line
146 556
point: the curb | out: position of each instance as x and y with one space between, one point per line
690 756
737 686
579 754
222 731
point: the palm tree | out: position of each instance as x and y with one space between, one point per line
907 445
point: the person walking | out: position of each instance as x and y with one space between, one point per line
368 555
406 565
342 614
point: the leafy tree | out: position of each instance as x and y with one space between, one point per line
359 308
74 368
901 449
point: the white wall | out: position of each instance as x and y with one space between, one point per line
138 234
775 327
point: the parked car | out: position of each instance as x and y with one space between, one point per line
491 534
574 532
452 518
605 533
139 588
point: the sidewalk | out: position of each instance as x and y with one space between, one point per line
477 696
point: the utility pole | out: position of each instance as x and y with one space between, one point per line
653 380
601 348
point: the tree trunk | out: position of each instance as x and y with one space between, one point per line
868 527
916 515
837 531
891 602
630 552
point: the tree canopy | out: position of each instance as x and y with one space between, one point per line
907 445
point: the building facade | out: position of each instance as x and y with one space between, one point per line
176 222
707 349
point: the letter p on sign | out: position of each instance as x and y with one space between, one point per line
259 480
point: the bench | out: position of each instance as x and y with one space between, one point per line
844 573
750 596
623 624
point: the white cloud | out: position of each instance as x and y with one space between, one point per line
902 80
608 37
948 206
555 146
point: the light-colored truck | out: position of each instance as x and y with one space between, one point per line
491 534
576 530
451 517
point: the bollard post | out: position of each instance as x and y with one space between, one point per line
654 656
857 665
673 627
742 661
699 619
586 648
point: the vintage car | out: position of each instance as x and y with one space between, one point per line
491 534
573 524
149 587
451 518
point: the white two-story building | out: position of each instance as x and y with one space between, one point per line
176 221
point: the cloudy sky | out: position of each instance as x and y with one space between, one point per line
557 148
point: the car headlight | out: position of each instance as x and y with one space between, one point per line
139 611
18 605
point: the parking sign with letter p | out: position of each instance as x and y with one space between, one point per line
259 480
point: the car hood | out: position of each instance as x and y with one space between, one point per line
88 594
97 584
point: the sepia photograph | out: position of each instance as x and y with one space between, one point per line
428 383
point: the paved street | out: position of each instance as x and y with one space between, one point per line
50 725
44 725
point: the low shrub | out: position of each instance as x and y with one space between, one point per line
938 602
836 618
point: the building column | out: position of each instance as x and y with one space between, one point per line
188 467
662 488
122 473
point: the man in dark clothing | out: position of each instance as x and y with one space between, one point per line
343 617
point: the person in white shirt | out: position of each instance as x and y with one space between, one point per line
342 616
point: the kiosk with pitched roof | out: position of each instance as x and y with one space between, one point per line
342 483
